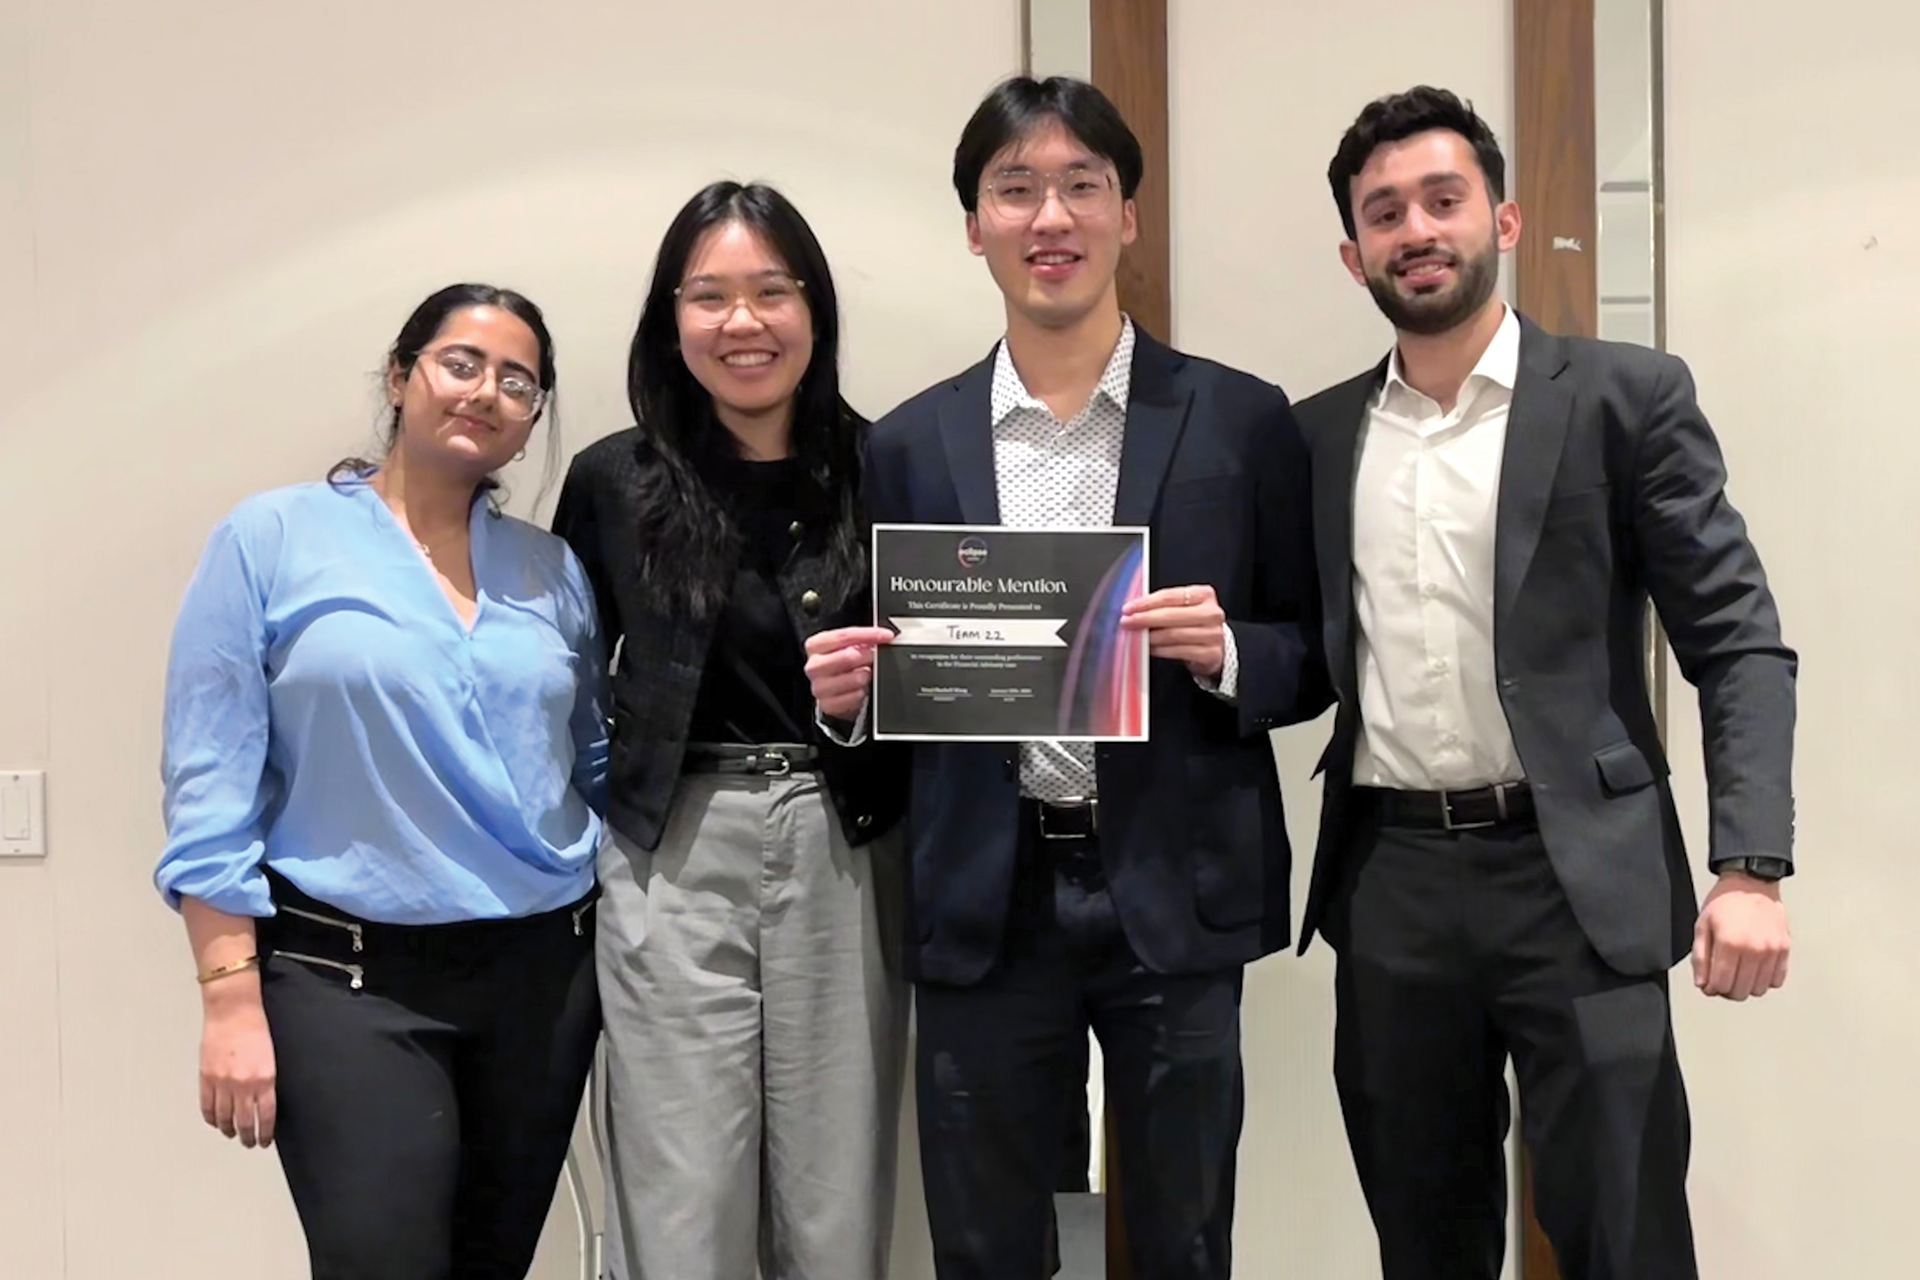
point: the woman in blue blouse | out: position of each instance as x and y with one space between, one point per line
384 761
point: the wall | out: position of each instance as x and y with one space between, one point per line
1260 94
1792 267
213 217
30 1155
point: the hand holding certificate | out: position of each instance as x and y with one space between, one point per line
1008 634
1185 624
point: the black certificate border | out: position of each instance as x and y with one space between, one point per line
1143 532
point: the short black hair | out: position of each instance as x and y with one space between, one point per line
1402 115
1019 105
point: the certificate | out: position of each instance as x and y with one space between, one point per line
1008 634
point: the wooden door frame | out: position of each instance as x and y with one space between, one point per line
1556 268
1556 281
1128 41
1130 67
1556 278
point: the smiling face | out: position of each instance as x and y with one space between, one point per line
746 332
1428 237
1051 223
470 398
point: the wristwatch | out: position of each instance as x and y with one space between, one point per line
1759 868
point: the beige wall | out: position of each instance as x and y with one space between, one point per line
1792 272
1260 96
213 217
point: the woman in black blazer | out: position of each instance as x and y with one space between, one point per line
749 933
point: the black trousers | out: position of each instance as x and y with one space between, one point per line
428 1084
997 1084
1456 950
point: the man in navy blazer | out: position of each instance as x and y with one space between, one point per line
1123 887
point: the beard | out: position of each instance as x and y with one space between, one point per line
1438 310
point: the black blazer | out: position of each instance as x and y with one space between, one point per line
663 655
1611 495
1192 834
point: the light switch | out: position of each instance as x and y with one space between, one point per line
23 807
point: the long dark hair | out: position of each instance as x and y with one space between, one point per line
688 542
422 327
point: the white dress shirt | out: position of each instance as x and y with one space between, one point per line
1425 505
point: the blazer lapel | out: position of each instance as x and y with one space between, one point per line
1336 465
1156 414
966 430
1537 425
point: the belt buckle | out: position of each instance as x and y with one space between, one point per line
781 762
1500 807
1091 805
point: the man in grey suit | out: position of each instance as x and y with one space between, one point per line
1500 868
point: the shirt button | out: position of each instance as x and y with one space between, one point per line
810 603
1439 666
1429 590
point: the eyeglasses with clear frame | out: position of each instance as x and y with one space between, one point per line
464 370
772 297
1021 193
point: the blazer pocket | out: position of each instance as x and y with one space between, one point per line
1201 491
1227 890
1577 502
1623 768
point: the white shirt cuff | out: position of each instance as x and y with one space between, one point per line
1227 687
854 737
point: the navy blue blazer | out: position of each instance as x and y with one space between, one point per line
1192 834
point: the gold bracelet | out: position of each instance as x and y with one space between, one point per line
226 969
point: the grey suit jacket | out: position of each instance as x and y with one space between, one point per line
1612 494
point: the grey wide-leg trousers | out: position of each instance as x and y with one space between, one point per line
756 1025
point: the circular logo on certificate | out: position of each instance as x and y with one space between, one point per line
972 552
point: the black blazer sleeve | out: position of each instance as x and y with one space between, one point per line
1711 593
575 521
1283 671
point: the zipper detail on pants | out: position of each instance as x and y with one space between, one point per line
353 971
353 929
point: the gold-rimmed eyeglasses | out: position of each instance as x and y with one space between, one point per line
465 369
711 301
1020 193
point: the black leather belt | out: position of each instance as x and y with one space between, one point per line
1504 804
774 759
1061 820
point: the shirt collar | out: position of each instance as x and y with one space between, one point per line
1499 364
1011 394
